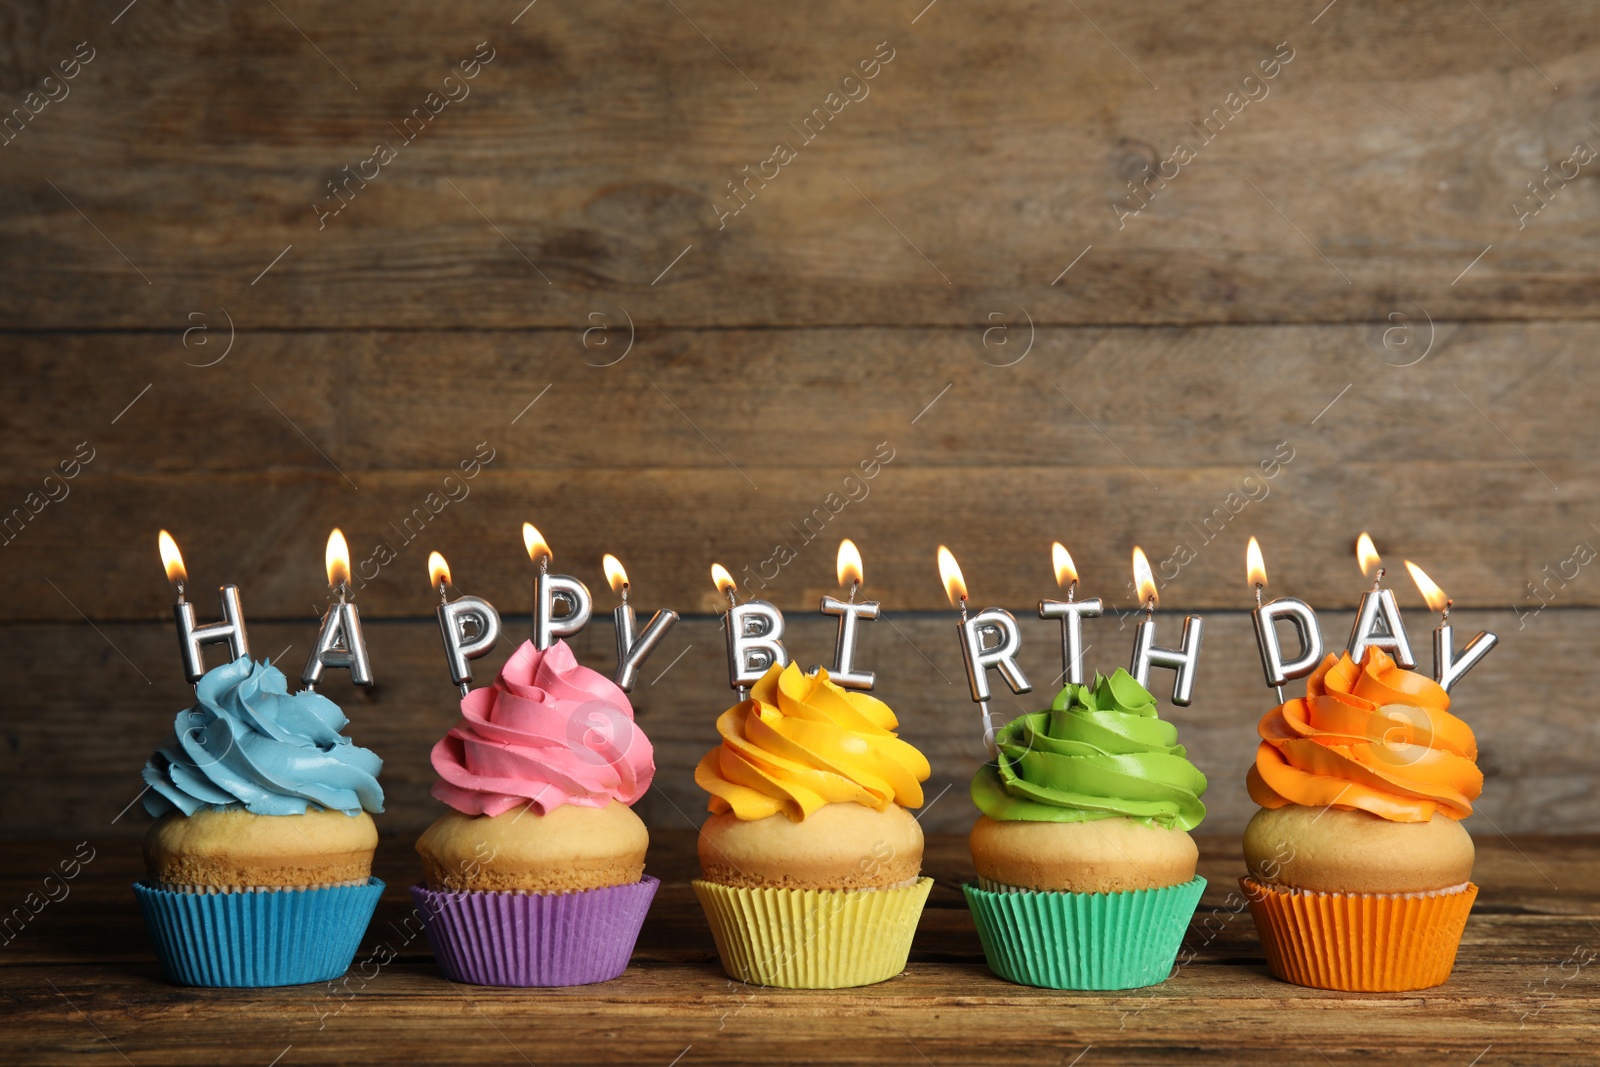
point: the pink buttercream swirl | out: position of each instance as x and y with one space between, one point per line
548 732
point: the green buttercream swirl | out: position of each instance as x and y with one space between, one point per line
1099 751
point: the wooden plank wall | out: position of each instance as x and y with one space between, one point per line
1084 272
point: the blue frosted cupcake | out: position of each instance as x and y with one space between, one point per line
260 861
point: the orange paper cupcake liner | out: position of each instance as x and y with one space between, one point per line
1360 942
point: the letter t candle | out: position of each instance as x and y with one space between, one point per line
1071 612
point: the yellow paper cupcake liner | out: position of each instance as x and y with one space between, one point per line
812 938
1360 942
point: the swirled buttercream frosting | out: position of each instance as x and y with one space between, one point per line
800 742
247 742
1371 736
1098 752
548 732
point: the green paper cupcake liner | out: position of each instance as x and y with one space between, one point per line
1059 940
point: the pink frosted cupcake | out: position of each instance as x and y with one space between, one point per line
536 878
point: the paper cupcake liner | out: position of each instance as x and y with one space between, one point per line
1360 942
812 938
535 939
257 938
1062 940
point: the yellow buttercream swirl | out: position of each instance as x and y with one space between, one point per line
800 742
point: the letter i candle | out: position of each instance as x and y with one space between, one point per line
851 574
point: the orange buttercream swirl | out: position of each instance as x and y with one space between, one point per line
1373 737
800 742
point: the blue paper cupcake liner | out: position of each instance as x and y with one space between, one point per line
261 937
1060 940
535 939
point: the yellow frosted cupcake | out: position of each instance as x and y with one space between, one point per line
811 860
1360 871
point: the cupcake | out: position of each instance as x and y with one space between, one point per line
811 861
1086 871
260 861
536 876
1360 870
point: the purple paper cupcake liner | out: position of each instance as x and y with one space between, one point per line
259 937
535 939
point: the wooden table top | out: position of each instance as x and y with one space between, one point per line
80 982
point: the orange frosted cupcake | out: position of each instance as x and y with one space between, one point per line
1360 870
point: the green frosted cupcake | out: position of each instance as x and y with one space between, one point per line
1086 871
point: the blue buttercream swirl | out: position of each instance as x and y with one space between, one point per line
246 742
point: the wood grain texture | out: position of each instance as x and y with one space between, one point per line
81 742
81 982
600 143
1103 438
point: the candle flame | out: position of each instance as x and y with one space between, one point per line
1437 601
337 559
1255 567
535 543
724 580
1367 554
849 565
438 571
1061 560
615 575
955 586
171 558
1144 579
